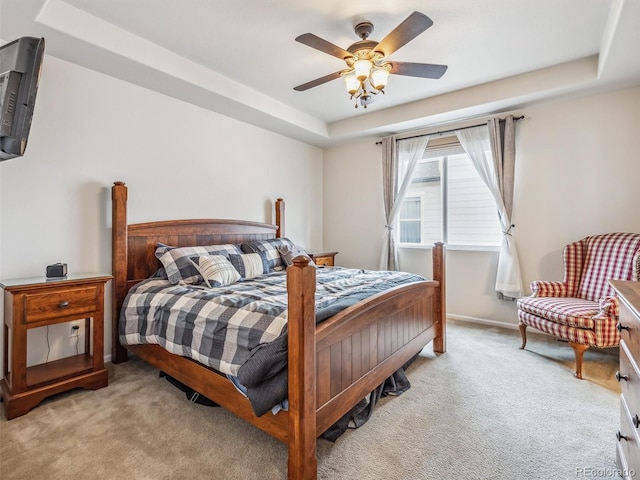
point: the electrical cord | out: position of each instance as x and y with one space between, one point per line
48 345
76 329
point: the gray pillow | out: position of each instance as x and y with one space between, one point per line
270 248
288 253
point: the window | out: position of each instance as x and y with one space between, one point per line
411 220
447 201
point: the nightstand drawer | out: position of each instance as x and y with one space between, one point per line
323 261
72 301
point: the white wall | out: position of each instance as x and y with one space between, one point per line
577 174
178 160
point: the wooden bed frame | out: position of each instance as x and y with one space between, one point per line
331 367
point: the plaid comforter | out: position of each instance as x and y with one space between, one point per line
225 327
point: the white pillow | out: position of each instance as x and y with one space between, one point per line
250 265
216 270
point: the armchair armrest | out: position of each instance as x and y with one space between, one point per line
544 288
608 307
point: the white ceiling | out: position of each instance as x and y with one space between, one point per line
239 57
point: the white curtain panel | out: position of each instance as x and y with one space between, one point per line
398 165
477 144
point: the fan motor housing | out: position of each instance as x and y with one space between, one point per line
362 45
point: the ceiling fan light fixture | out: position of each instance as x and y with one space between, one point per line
363 69
379 78
352 83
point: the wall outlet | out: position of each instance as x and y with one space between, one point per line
74 330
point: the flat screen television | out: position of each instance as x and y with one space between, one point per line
20 66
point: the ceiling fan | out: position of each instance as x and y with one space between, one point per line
366 59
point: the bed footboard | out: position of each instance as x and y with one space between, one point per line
332 367
358 348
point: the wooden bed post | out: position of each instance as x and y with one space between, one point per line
119 239
280 217
301 286
439 341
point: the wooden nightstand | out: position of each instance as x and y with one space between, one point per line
323 259
37 302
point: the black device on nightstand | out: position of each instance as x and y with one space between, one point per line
57 270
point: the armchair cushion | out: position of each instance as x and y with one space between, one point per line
573 312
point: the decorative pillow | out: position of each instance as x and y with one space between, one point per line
178 265
289 253
216 270
270 248
250 265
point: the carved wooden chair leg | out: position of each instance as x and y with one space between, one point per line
579 351
523 334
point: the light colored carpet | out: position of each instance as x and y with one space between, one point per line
483 410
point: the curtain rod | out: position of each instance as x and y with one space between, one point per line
450 131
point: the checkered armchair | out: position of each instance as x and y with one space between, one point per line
583 309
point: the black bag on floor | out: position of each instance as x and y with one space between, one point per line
191 394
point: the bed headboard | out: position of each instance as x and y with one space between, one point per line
134 246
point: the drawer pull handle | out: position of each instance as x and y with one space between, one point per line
64 304
619 436
636 421
619 377
621 327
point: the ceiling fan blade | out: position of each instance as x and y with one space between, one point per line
423 70
318 43
317 81
410 28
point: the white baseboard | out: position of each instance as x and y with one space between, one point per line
493 323
482 321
